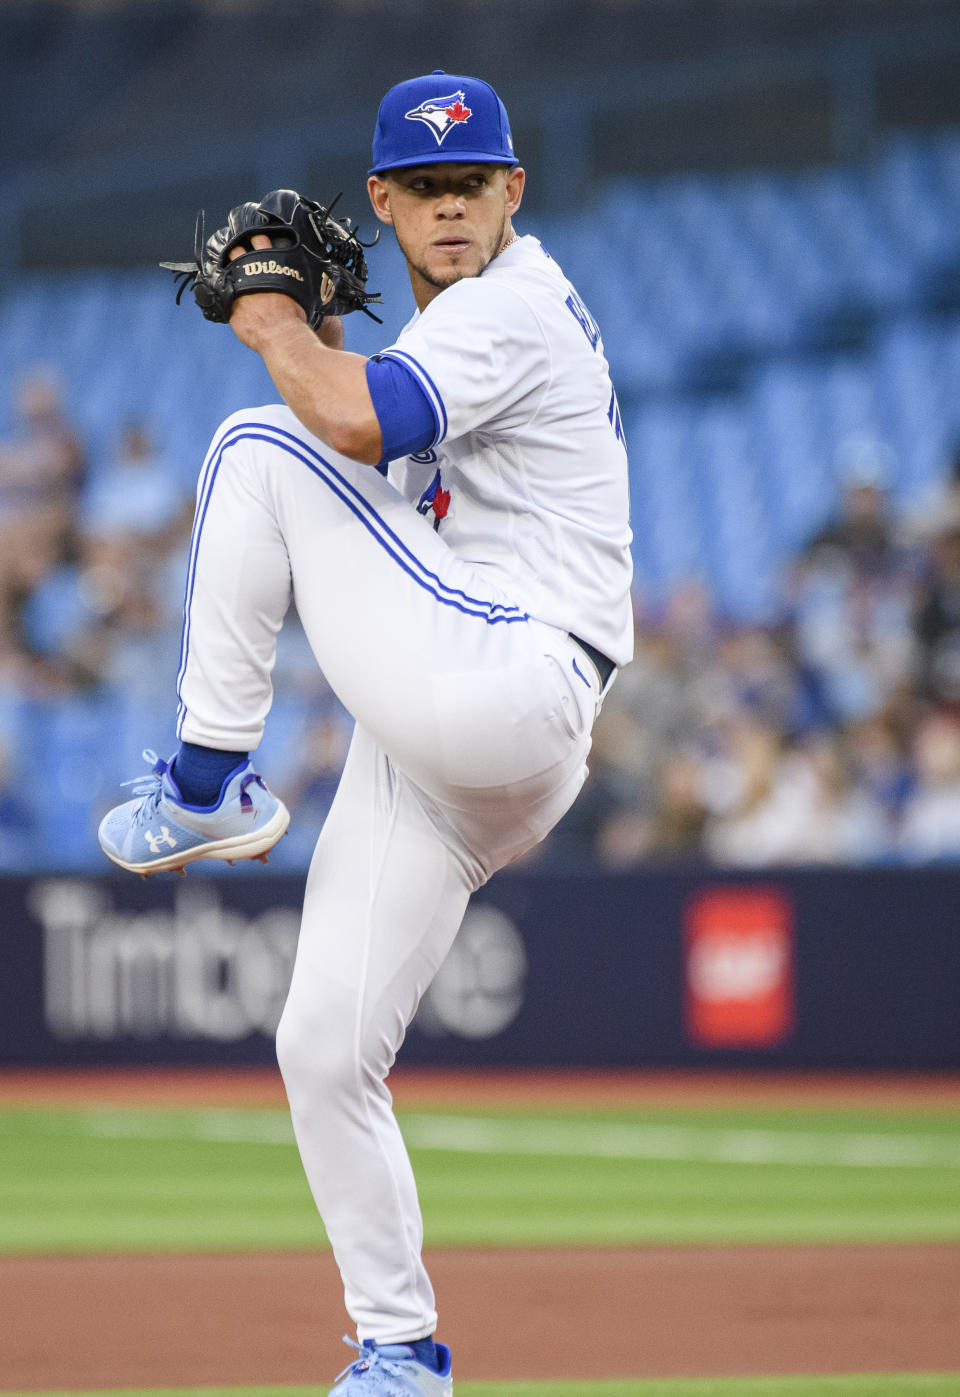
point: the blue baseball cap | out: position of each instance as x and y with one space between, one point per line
441 117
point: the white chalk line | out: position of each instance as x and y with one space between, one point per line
574 1138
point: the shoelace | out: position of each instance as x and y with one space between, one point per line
370 1359
150 786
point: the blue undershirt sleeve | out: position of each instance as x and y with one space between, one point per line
407 421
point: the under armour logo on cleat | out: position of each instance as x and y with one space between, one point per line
156 841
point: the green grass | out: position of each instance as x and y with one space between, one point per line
88 1179
853 1385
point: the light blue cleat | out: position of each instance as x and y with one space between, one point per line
391 1370
158 831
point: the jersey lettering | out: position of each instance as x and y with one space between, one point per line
614 418
592 331
584 319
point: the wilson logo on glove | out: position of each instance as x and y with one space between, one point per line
271 268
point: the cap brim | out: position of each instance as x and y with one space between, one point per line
462 157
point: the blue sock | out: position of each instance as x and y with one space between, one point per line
199 772
425 1352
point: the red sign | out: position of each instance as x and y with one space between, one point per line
739 967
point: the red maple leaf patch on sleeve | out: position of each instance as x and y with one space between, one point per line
458 112
441 503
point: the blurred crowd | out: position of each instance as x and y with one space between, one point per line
85 555
831 736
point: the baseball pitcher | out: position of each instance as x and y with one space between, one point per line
451 516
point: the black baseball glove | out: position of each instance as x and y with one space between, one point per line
314 259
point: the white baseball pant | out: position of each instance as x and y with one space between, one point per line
473 727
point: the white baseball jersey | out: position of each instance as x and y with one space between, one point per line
529 444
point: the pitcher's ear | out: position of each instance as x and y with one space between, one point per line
379 193
516 180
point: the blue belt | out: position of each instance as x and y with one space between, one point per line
601 664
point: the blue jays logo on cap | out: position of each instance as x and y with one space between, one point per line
441 117
441 114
